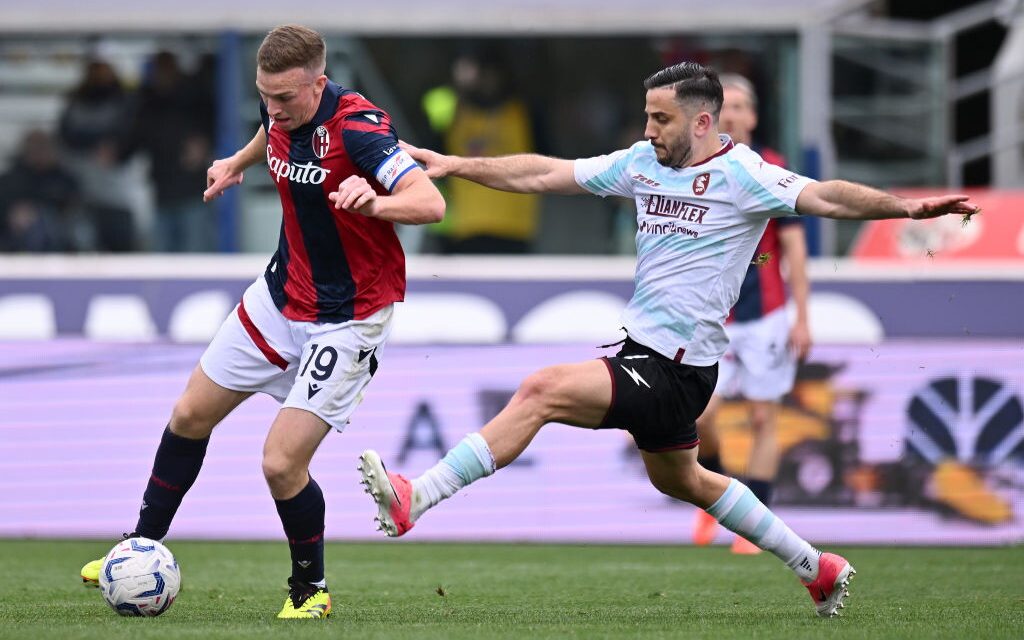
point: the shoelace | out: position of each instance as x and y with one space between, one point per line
299 592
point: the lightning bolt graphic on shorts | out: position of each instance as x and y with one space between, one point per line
637 378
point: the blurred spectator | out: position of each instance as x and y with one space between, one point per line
38 199
92 128
172 127
479 116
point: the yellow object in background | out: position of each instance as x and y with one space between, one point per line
962 489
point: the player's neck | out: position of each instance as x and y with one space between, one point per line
707 148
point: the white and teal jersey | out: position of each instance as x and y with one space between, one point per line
698 228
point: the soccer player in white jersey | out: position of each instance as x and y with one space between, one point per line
702 204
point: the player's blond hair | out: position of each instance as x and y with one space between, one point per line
292 46
736 81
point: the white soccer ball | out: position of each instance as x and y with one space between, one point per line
139 577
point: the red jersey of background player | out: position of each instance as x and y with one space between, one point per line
763 289
333 265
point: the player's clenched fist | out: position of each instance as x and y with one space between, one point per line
355 194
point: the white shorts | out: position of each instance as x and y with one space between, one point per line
758 363
317 366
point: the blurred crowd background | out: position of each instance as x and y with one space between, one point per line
105 136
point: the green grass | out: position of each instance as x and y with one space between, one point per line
234 590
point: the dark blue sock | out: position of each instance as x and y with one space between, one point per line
175 468
762 489
712 463
303 520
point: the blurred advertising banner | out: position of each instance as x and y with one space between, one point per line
899 442
996 234
526 299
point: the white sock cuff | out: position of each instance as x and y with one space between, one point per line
483 452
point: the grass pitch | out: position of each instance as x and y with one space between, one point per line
400 590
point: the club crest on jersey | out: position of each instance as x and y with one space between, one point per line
321 142
700 184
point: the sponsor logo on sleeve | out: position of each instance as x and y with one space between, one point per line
642 179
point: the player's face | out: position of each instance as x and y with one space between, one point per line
291 96
738 117
668 128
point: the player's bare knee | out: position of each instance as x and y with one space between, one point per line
539 392
189 421
281 473
762 426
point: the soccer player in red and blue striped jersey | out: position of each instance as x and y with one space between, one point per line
309 331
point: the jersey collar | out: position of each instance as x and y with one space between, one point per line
324 112
727 144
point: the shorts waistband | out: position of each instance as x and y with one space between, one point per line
635 347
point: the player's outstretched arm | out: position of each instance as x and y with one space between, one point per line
227 172
521 173
850 201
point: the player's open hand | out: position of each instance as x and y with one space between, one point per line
355 194
923 208
435 164
800 340
219 177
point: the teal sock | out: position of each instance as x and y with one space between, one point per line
464 464
739 511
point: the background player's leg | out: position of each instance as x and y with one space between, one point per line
182 449
705 527
290 445
764 452
710 443
762 464
677 473
576 394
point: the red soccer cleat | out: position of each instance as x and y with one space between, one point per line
705 528
743 547
830 587
391 491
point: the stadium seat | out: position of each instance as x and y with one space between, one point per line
836 318
27 316
448 318
577 316
122 318
198 316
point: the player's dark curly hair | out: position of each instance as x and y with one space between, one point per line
292 46
694 84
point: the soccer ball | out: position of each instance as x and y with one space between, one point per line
139 577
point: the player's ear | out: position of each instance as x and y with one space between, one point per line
703 123
319 84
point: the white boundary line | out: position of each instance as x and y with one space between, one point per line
519 268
